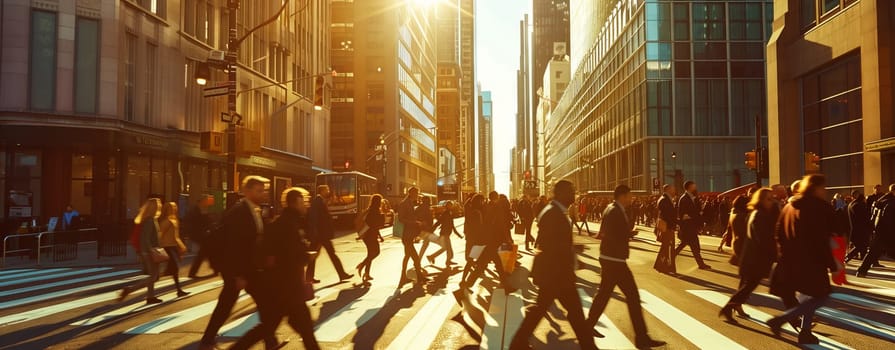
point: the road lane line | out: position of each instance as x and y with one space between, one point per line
65 283
35 314
694 331
876 328
27 273
492 334
167 298
759 317
428 320
165 323
614 339
50 276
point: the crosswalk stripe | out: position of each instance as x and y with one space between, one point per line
869 326
758 316
681 322
44 277
351 316
427 322
614 338
513 319
167 297
14 271
178 318
240 326
492 334
34 314
16 274
65 283
870 304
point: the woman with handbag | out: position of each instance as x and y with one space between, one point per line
373 221
150 252
170 240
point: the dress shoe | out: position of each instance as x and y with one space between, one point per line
150 301
705 267
313 280
861 274
123 294
808 338
648 343
345 276
727 313
181 293
776 326
742 313
877 265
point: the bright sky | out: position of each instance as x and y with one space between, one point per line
497 59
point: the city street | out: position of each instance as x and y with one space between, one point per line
76 308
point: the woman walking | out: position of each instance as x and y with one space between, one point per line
473 227
737 226
758 250
169 238
446 222
804 237
149 232
375 220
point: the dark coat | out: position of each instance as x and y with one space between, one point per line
473 226
555 263
446 223
525 210
407 216
667 211
616 232
859 223
738 224
803 235
689 227
283 240
239 238
320 221
375 220
423 214
759 247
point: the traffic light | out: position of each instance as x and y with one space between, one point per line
812 163
347 164
764 168
318 93
751 162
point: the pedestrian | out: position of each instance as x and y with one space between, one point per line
238 233
737 227
322 231
758 252
860 227
690 221
883 219
284 254
412 226
804 239
877 193
423 213
197 226
446 224
149 233
374 221
495 232
665 226
70 218
169 238
553 271
526 216
582 215
617 230
474 228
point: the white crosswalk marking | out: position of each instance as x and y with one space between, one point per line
492 334
696 332
16 274
758 316
614 339
870 304
67 292
35 314
60 274
65 283
428 320
870 326
178 318
14 271
167 298
351 316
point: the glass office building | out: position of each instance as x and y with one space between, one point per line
669 91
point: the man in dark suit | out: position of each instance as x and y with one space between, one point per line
407 214
527 216
617 229
320 225
554 270
690 220
239 229
665 230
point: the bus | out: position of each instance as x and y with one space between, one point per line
351 192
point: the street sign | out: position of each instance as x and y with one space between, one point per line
215 91
530 184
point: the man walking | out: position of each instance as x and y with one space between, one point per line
690 219
412 227
883 219
527 216
553 271
240 228
197 226
320 223
617 229
665 231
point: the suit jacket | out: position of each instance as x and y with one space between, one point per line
320 221
525 211
407 216
667 211
282 239
239 241
803 234
690 226
616 232
554 265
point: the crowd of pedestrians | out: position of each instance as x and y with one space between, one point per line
778 233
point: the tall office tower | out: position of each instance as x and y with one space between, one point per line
467 95
486 143
549 39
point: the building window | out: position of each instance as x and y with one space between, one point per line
832 121
745 21
708 21
43 60
130 78
86 64
814 11
155 6
149 84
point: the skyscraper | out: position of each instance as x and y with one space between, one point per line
467 95
449 101
486 143
549 38
523 148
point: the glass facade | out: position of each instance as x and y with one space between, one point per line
663 77
832 121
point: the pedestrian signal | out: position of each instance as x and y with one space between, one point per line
751 162
812 163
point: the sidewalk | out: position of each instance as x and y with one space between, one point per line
87 257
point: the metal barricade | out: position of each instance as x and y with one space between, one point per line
17 246
63 245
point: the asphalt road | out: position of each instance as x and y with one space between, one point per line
76 308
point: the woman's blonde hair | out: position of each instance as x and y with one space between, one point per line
169 212
757 197
150 209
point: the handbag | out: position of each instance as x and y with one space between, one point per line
507 253
158 255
